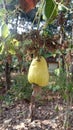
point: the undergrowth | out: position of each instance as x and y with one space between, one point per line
20 90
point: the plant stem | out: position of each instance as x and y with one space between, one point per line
66 119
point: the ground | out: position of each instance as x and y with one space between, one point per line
49 115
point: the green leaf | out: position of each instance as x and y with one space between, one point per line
11 51
3 12
56 88
15 42
51 10
1 1
57 72
1 48
4 30
1 97
46 55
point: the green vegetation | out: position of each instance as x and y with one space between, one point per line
53 40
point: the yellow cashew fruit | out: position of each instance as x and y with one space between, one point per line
38 72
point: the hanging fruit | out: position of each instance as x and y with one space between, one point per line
38 72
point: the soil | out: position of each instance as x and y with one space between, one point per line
49 115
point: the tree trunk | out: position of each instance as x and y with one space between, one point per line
36 90
7 75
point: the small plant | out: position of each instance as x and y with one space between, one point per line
66 90
20 89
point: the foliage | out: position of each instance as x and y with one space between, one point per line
18 50
66 85
21 87
4 31
12 49
19 90
51 10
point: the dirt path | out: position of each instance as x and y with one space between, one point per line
49 115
